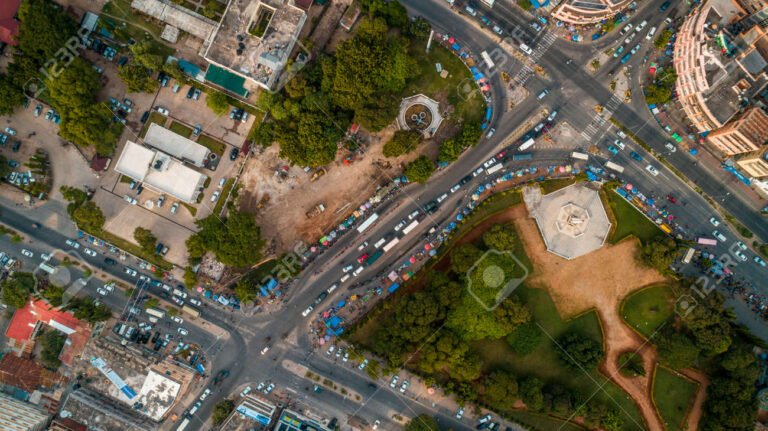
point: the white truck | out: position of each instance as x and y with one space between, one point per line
156 312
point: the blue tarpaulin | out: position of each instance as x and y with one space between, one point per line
456 46
264 291
334 322
341 304
393 287
488 113
738 174
271 284
200 368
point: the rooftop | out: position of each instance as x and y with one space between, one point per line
160 172
158 394
25 321
9 27
100 412
176 145
26 374
571 220
255 38
177 16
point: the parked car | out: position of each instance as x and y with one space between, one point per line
652 170
715 222
38 110
183 331
613 150
72 243
130 271
215 196
11 131
759 261
162 110
671 147
27 253
393 383
102 292
177 319
174 207
90 252
717 234
110 261
233 154
308 310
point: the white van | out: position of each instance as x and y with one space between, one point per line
470 10
358 271
650 34
345 278
379 243
526 49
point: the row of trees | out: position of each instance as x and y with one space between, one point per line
451 149
68 81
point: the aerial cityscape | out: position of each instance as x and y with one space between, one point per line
419 215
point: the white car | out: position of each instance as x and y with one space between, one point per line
490 133
741 245
740 255
552 116
717 234
362 246
619 144
72 243
269 388
27 253
102 292
671 147
215 196
362 364
442 197
332 288
261 386
460 413
306 312
376 424
330 350
393 383
265 350
651 170
89 252
205 394
489 163
177 319
455 188
714 222
162 110
45 257
183 331
759 261
400 225
404 386
346 357
130 271
246 391
478 171
413 215
347 268
222 182
109 287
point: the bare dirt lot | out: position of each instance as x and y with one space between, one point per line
282 201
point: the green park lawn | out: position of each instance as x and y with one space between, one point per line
673 396
429 82
181 129
629 221
647 309
215 146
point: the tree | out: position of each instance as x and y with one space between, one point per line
463 257
89 217
190 276
422 423
500 237
663 39
677 351
151 303
137 78
17 288
418 28
236 242
245 291
45 29
221 411
420 169
631 364
11 95
211 9
143 54
525 338
531 393
450 150
657 95
403 142
660 253
75 197
500 390
218 102
146 239
172 311
4 168
87 309
52 342
580 352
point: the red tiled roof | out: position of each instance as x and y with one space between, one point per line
25 374
69 424
25 319
9 27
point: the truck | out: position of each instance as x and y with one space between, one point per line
367 223
689 255
316 210
183 425
390 245
156 312
665 228
706 241
493 169
527 144
522 156
410 227
373 258
614 166
579 156
192 311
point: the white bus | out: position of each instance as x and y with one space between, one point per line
580 156
615 167
493 169
410 227
527 144
366 224
390 245
689 255
487 59
183 425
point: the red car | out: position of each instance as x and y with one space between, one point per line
362 258
671 199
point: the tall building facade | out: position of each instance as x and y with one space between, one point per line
746 134
755 165
581 12
17 415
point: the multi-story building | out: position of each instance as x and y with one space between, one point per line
747 133
290 420
581 12
755 165
17 415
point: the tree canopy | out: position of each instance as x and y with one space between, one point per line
500 237
580 352
221 411
420 169
402 142
146 239
236 241
17 288
218 102
52 342
422 423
